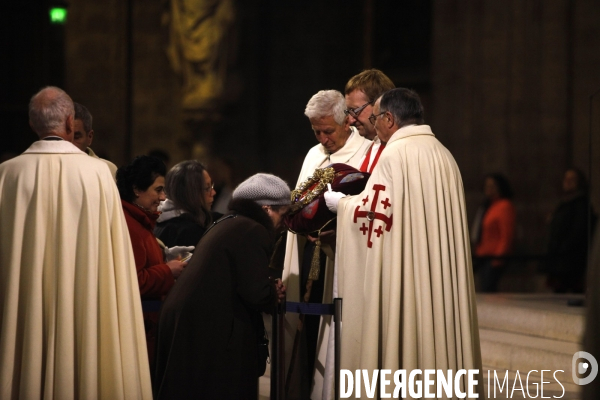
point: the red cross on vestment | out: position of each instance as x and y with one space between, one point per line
373 216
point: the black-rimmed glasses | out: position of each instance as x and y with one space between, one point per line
209 188
373 117
355 112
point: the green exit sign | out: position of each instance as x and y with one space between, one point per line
58 15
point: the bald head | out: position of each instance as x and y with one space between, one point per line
51 112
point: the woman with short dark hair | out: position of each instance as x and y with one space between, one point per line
141 187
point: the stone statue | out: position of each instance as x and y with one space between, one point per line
200 50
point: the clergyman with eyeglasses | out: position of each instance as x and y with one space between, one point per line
402 253
361 92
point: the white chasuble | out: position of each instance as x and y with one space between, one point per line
71 322
317 157
404 264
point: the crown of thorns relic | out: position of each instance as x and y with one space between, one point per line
309 213
308 190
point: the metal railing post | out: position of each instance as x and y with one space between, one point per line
337 319
278 353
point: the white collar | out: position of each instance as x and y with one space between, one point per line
53 147
410 130
353 143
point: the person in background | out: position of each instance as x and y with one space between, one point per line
186 213
493 231
570 226
162 155
84 134
141 187
210 324
222 172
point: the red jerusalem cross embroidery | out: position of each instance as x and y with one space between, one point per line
372 216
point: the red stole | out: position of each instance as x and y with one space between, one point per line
365 164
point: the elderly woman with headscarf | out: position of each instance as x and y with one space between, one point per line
210 323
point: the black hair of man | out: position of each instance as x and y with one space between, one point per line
404 104
82 113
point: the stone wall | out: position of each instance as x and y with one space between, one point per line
284 54
509 95
117 67
96 74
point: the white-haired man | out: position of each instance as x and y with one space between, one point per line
338 143
70 317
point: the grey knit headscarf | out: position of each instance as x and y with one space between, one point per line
264 189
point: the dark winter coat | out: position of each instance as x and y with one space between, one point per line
207 339
568 243
181 230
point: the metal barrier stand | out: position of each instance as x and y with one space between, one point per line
278 352
337 320
278 391
277 337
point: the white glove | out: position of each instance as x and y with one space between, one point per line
175 252
332 199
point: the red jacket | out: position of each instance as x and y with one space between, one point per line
154 276
497 229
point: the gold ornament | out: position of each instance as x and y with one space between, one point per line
321 176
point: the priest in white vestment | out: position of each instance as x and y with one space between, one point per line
338 143
403 254
361 91
70 314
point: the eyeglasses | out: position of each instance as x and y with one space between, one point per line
373 118
210 188
355 112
